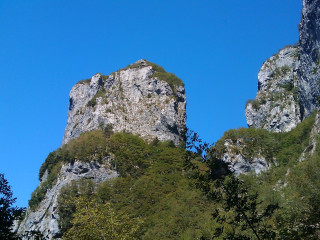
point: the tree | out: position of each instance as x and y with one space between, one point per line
239 215
94 220
8 213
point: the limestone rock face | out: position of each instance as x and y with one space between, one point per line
141 99
44 219
288 82
134 99
239 162
276 105
309 55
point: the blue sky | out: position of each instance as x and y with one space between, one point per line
216 47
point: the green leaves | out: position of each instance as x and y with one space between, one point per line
94 220
8 213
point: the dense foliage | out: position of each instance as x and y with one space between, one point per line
290 188
168 192
90 146
95 220
153 188
8 213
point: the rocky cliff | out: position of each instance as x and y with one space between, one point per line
44 219
288 91
288 82
142 99
309 57
276 105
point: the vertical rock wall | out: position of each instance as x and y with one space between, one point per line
289 86
134 99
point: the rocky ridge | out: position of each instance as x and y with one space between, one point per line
141 99
44 219
238 162
288 90
276 105
135 99
288 82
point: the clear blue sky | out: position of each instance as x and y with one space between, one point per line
215 46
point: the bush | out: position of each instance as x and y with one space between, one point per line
93 101
85 81
170 78
89 146
254 102
281 72
159 73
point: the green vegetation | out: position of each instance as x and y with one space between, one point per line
279 148
315 70
318 61
154 189
93 101
85 81
89 146
159 73
8 213
289 188
287 86
256 103
295 93
154 66
170 78
280 72
95 220
167 192
104 77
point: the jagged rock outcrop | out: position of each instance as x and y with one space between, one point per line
44 219
240 163
288 85
276 105
309 56
141 99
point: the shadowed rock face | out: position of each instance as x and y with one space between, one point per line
309 56
288 86
276 105
132 100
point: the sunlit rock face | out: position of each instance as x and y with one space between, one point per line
288 82
44 219
137 99
240 163
276 105
132 100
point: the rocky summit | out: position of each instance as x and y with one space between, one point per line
288 82
126 126
141 99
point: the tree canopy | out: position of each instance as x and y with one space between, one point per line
8 213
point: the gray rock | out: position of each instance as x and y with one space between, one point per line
309 55
288 83
276 105
130 99
238 162
45 218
